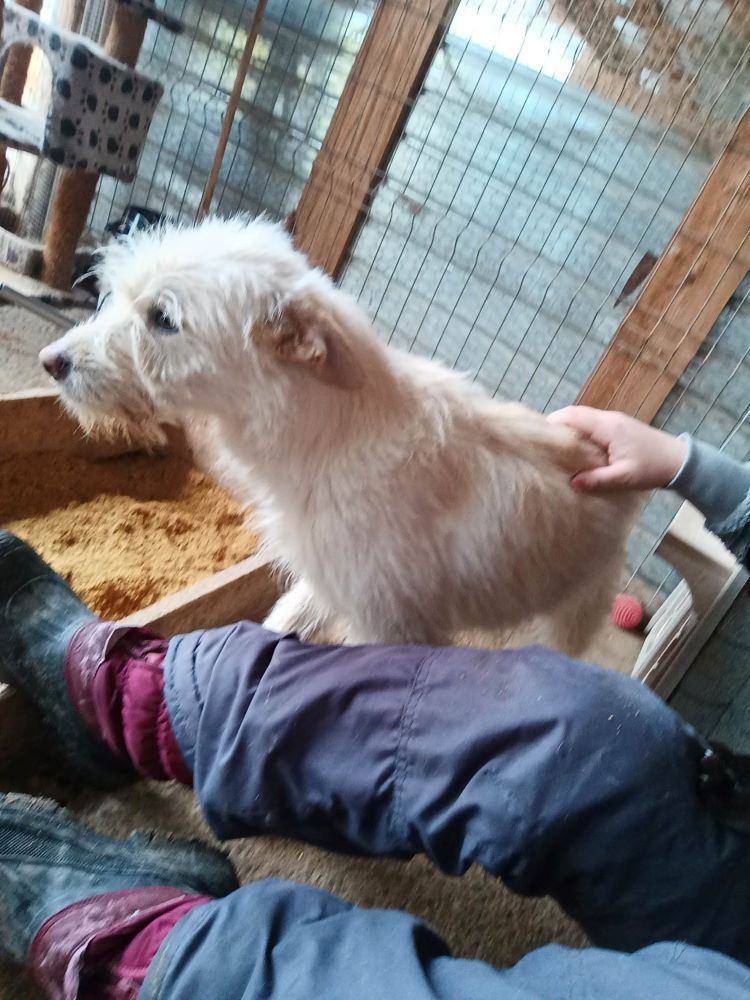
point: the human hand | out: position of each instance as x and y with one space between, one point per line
640 457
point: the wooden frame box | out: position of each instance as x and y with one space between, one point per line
34 422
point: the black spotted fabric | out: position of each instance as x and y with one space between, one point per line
99 112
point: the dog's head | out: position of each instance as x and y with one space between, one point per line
195 320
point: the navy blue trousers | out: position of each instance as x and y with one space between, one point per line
558 777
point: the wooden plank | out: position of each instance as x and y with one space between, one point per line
245 591
34 420
712 579
693 280
386 77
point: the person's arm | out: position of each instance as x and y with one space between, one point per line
719 486
642 458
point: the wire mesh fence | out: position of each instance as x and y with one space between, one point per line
711 401
547 161
531 192
515 209
300 65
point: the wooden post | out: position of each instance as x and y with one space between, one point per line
387 75
232 105
13 78
705 261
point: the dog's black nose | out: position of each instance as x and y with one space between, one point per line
57 363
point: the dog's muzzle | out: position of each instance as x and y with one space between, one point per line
55 361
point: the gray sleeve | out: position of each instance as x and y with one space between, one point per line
719 486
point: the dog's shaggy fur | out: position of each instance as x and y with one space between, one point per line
401 500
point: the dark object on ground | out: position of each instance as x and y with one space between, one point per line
641 271
135 218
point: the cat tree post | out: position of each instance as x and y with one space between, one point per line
13 79
71 14
76 190
17 64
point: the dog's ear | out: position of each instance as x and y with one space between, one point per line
305 334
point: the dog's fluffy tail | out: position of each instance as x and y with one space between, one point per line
520 431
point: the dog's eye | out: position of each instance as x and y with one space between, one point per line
162 320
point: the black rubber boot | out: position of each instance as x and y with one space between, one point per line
49 860
39 615
724 784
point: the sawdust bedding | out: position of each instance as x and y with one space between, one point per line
124 532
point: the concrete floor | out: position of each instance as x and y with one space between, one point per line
21 338
478 916
22 334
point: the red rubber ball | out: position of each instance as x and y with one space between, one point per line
627 611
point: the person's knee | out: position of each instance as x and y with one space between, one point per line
534 709
617 725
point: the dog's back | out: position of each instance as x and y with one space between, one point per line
498 535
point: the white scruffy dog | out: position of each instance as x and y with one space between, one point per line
400 499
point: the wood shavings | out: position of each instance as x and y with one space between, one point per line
124 532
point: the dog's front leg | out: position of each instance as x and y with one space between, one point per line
298 611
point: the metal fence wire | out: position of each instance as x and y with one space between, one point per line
300 66
538 174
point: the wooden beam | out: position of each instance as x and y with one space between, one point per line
246 590
231 111
34 420
693 280
386 77
711 581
